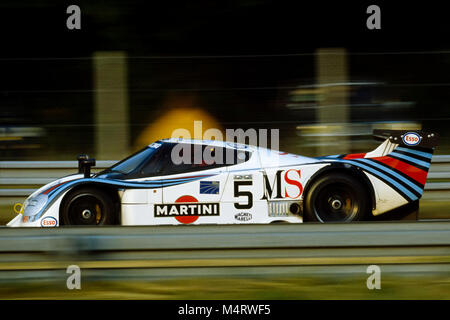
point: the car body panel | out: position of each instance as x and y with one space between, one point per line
262 189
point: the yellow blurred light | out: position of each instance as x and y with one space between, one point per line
181 114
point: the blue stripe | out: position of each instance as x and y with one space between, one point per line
132 183
383 176
168 184
137 184
333 156
414 160
329 157
164 181
419 153
395 174
186 179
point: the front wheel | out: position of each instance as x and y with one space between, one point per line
88 206
337 198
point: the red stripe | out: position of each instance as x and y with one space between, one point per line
354 156
410 170
54 187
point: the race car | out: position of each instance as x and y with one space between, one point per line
178 181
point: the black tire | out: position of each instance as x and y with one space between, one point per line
337 197
88 206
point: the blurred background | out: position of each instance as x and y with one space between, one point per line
136 71
133 73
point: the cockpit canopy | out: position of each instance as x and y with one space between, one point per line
169 157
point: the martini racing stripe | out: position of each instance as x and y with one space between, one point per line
415 156
145 183
414 161
414 188
354 156
120 183
338 156
410 163
393 183
394 169
415 173
53 195
346 156
54 187
425 155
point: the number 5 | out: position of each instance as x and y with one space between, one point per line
247 194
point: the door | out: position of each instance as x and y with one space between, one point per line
243 198
192 190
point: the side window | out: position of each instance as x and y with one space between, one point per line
192 159
188 158
155 165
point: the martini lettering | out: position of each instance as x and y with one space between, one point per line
182 209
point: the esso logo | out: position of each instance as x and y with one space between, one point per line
48 222
411 139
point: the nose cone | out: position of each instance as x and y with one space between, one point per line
16 222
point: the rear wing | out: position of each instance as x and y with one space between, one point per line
396 140
408 138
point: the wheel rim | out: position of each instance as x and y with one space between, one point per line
336 202
86 210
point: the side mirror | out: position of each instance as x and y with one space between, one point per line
80 158
85 164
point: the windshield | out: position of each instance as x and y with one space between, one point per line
132 162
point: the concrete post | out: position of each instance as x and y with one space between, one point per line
111 105
333 109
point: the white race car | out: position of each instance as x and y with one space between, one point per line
237 184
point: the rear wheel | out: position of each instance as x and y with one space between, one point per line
88 206
337 198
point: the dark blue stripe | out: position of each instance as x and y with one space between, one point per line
137 184
411 159
382 176
394 174
416 152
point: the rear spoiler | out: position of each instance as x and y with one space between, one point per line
408 138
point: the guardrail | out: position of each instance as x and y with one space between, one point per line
21 178
174 251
